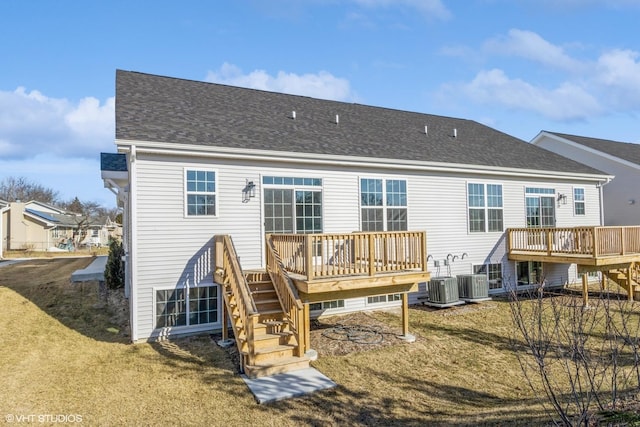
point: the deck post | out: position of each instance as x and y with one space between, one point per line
225 321
372 255
406 336
603 281
423 248
549 242
405 314
308 250
585 289
630 282
306 333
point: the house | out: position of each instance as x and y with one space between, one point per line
240 203
4 206
37 226
621 196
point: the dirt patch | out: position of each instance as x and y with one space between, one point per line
353 333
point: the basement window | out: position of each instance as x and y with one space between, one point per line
179 307
326 305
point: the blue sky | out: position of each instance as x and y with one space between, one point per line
520 66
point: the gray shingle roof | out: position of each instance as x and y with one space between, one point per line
113 162
177 111
622 150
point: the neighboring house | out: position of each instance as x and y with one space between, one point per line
4 206
38 226
199 160
621 196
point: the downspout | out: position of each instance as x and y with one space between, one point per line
133 244
600 186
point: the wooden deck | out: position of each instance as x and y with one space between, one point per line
269 310
585 246
338 266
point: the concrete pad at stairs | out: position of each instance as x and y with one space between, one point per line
287 385
95 271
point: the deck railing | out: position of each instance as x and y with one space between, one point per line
234 280
363 253
581 241
288 296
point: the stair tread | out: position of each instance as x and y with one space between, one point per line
270 336
275 348
271 312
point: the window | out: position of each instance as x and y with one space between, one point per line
326 305
578 201
529 272
175 307
292 204
383 204
540 207
200 192
384 298
485 207
493 272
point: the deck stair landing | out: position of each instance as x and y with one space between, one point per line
627 280
273 346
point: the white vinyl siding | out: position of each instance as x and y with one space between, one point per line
176 251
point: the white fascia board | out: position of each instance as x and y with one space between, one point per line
543 134
353 161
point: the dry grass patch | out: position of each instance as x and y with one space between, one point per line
62 353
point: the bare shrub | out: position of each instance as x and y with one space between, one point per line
581 358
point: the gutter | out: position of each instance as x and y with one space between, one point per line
351 161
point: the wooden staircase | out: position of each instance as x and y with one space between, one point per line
627 279
275 346
261 327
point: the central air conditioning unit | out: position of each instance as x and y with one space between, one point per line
473 286
443 290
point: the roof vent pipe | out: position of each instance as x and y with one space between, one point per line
455 132
337 119
293 115
425 130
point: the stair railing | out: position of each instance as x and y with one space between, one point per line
288 295
229 273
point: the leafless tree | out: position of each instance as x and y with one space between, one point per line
580 358
14 189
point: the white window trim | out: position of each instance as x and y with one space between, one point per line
486 207
386 303
186 193
384 206
328 310
584 201
187 328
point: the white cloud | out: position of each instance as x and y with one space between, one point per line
554 84
430 8
618 72
320 85
565 102
532 46
32 123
